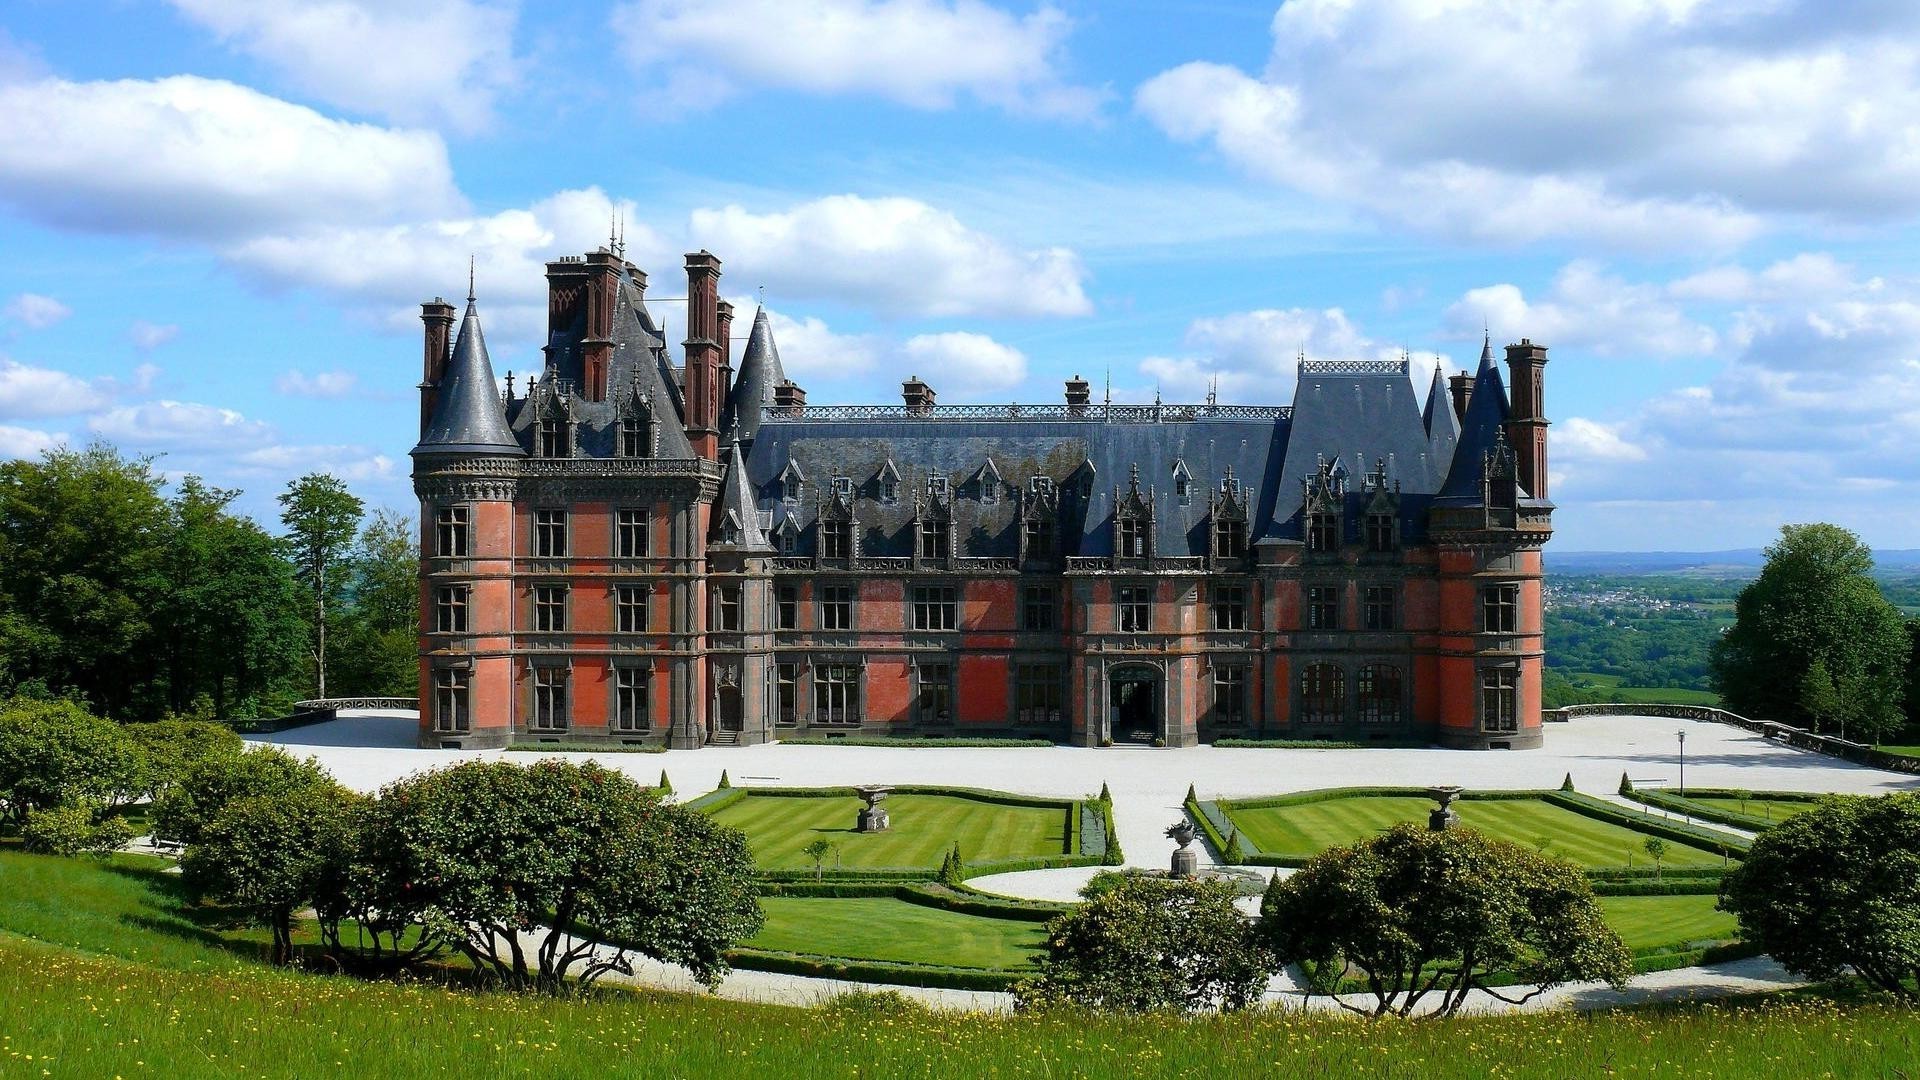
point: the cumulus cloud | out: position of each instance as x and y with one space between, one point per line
205 159
1249 357
925 54
435 62
1656 124
961 366
164 424
35 311
19 442
1586 307
322 384
148 336
36 391
965 365
892 255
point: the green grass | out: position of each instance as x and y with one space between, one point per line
1305 829
924 828
126 908
1617 691
882 928
1765 809
1651 922
1909 751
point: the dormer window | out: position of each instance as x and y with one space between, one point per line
786 538
1130 538
843 486
1323 532
550 439
1182 484
1229 538
792 483
936 539
890 490
1379 529
1042 486
635 440
836 539
1039 538
937 486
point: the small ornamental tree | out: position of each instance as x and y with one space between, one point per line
1835 888
183 814
74 828
54 752
1416 913
268 856
171 748
1144 943
1657 851
818 850
555 855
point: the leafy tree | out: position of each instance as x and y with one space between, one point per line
81 827
55 752
506 856
187 809
1416 913
378 648
169 749
1837 887
1657 851
269 856
1815 603
321 518
818 850
1145 943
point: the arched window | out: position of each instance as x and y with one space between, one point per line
1323 694
1378 690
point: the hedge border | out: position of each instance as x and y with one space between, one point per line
1681 804
925 894
1321 744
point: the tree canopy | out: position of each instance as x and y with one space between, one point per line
54 752
1837 887
1415 913
268 856
321 518
1814 642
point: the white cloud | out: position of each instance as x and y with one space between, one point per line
964 365
412 62
892 255
35 391
809 348
35 311
19 442
192 157
1581 439
324 384
1585 307
148 336
167 425
1249 357
1654 124
924 54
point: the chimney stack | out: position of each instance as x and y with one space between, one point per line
703 388
1526 418
1461 387
437 315
1079 395
723 320
918 396
789 399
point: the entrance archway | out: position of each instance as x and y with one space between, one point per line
1133 704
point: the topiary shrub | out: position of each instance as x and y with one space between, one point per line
73 828
1626 785
724 782
1106 796
666 785
1567 784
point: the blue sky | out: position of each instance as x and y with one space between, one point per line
219 216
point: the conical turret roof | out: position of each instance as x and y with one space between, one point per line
752 390
468 417
1480 429
1443 428
737 505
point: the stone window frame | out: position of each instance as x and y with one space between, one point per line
787 675
551 438
632 607
1381 532
786 606
1367 705
1500 607
836 538
1043 600
1320 607
1235 674
1324 532
933 687
450 608
1133 607
851 677
551 687
1039 687
1335 694
550 614
836 598
626 530
632 685
1227 606
1379 606
452 692
729 598
453 529
933 607
1497 698
552 538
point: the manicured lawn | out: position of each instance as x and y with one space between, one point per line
1765 809
882 928
1309 828
1646 922
925 827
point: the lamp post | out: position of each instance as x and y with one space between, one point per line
1683 764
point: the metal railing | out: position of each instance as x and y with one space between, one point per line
336 704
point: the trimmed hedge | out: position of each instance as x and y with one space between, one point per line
1680 804
1670 886
1711 840
925 894
912 742
584 748
717 799
1005 798
1112 856
875 971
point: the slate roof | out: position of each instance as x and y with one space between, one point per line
738 506
1480 429
752 390
467 416
1443 427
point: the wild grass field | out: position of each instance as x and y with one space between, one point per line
925 828
1305 829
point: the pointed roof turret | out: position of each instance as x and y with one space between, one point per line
736 517
752 390
1483 427
468 417
1443 427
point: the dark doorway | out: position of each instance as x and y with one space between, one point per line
731 715
1134 704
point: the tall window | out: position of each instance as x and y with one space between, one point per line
836 539
1136 608
1183 489
550 607
1500 608
1039 537
786 694
450 528
786 608
634 439
550 698
934 608
1323 532
630 532
1500 699
934 701
1229 694
1229 538
550 439
630 699
1379 529
726 607
935 539
1323 694
550 533
1378 690
1039 602
1229 607
1376 607
836 607
1323 607
450 609
1039 694
450 693
836 694
630 609
1130 538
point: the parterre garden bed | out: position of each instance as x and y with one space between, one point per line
1754 811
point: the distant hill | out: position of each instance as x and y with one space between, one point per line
1739 562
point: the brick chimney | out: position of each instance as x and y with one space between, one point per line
1461 387
723 321
789 399
703 387
1526 418
918 396
1079 395
437 315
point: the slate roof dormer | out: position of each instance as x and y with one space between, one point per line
736 516
1482 429
469 417
1443 428
752 390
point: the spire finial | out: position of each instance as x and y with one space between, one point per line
470 261
613 217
